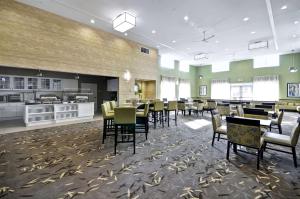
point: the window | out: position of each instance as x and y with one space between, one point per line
57 84
45 84
266 88
19 82
32 83
220 89
184 66
266 61
167 61
220 67
241 91
167 88
184 89
4 82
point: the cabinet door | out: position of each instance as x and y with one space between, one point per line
85 109
19 82
4 82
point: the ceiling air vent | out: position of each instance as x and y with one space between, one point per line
258 45
145 50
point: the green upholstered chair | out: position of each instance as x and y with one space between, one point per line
181 107
224 110
125 119
218 128
108 118
197 108
113 105
171 107
158 113
284 140
240 110
142 121
277 122
244 132
108 107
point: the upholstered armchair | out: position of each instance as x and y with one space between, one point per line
244 132
158 112
277 122
197 108
224 110
218 128
289 141
240 110
181 107
113 105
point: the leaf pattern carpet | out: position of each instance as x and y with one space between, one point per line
175 162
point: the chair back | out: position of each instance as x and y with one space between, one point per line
158 106
223 109
212 104
240 110
113 105
181 105
216 121
125 115
255 113
146 109
107 106
244 132
104 110
280 117
295 134
172 105
200 106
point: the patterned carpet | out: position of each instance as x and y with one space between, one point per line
175 162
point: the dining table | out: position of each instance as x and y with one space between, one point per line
263 122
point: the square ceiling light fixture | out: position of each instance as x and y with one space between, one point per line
200 56
124 22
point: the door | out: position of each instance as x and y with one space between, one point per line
93 89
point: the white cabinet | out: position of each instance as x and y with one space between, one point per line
85 109
11 111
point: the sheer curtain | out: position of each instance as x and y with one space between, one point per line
184 88
266 88
167 88
220 89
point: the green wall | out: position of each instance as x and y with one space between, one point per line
243 71
191 75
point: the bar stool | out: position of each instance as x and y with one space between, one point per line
108 118
125 118
158 111
172 106
113 105
142 119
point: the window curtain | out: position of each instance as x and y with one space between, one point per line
266 88
220 89
167 88
184 89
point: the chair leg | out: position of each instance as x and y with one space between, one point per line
155 119
279 128
219 136
168 118
228 150
213 140
104 131
258 158
175 118
270 127
134 140
235 148
162 118
146 127
116 138
294 156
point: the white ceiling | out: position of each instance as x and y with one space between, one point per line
223 18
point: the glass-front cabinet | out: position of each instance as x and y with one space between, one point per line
19 83
56 84
4 82
45 84
32 83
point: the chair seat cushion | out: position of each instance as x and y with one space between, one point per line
111 112
222 129
109 116
140 114
275 138
274 121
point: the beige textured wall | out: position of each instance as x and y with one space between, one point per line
33 38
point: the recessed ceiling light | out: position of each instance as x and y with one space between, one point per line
92 21
173 41
253 32
294 35
125 33
283 7
186 18
296 22
246 19
153 31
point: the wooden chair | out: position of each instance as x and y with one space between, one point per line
244 132
284 140
125 119
181 107
158 113
171 107
224 110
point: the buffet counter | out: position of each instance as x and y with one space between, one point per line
39 114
